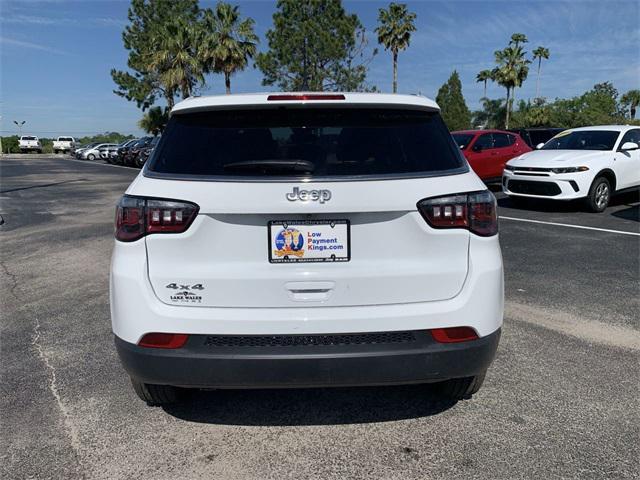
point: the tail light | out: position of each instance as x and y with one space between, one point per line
163 340
138 216
454 334
474 211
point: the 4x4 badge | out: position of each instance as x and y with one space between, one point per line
176 286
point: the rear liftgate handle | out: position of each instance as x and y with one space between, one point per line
309 291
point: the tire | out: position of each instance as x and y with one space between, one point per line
599 195
91 157
155 395
461 388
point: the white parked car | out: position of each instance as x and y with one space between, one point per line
63 144
591 163
29 143
283 240
93 152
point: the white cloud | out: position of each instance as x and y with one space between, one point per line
32 46
20 19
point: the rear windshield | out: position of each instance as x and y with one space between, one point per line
65 139
29 138
306 142
583 140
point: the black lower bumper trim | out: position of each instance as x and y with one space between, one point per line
199 364
546 189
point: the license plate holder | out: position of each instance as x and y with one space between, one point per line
309 241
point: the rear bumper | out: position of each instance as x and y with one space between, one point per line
208 362
136 310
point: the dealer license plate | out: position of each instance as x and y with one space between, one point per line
309 241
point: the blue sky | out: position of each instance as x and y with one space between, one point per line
55 56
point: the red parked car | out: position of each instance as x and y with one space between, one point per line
487 151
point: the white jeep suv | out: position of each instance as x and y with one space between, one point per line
287 240
591 163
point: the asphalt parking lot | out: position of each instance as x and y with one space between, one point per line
561 400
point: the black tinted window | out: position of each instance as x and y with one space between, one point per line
583 140
501 140
306 142
462 139
631 136
484 141
542 136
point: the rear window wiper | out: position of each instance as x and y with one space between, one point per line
271 166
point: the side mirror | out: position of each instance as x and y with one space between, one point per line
539 146
627 146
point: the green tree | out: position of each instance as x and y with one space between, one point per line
631 100
175 57
394 32
512 69
531 114
517 39
484 76
148 21
598 106
452 105
229 41
314 45
154 120
492 114
538 54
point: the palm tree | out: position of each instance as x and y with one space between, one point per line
154 120
540 53
394 32
229 41
175 57
512 69
632 99
484 76
517 39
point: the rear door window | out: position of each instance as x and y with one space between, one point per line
306 142
483 142
501 140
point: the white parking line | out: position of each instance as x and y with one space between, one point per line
622 232
89 162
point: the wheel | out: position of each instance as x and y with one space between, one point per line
155 395
461 388
91 157
599 195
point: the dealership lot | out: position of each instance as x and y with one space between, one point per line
561 400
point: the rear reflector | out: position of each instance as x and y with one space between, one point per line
138 216
454 334
163 340
311 96
474 211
